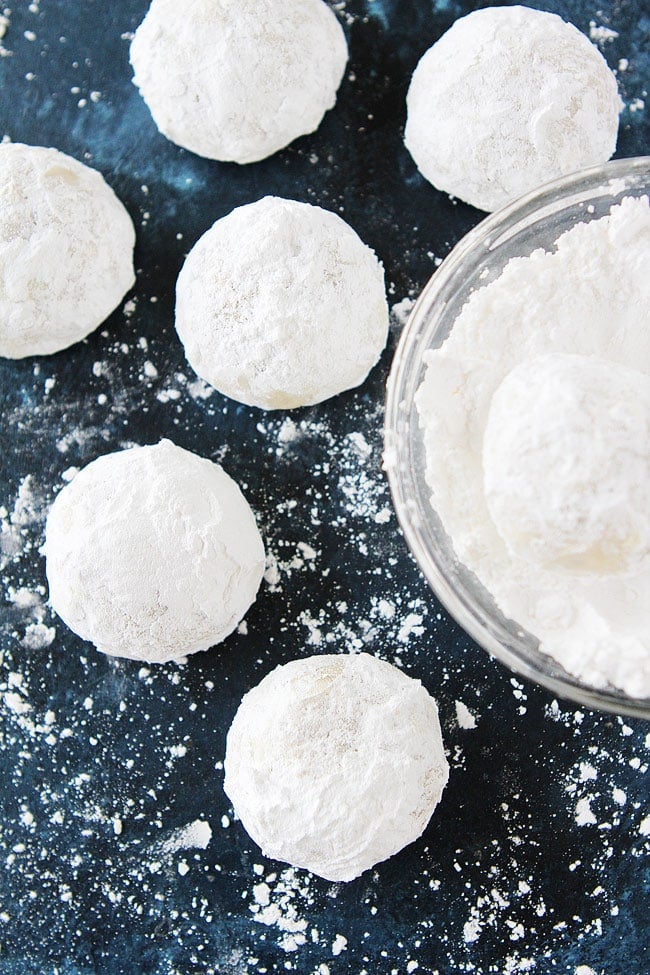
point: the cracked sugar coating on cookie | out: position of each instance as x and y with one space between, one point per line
335 762
238 81
509 98
280 304
66 250
152 553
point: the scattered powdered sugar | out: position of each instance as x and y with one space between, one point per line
464 716
346 492
5 23
599 808
598 799
196 835
16 703
15 524
401 310
279 901
584 815
38 636
20 536
601 34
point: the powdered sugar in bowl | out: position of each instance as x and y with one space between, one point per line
518 435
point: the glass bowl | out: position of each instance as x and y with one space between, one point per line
535 220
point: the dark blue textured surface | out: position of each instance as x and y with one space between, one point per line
504 879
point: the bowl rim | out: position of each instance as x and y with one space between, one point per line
400 475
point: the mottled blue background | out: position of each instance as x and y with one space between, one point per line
75 896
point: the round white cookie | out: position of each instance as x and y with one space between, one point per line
280 304
66 250
152 553
507 99
335 762
238 81
566 464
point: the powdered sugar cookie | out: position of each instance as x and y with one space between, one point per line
66 250
335 762
238 81
152 553
281 304
507 99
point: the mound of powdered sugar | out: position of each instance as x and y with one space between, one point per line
238 81
334 763
66 250
535 414
507 99
280 304
152 553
